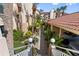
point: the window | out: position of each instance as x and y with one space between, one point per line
3 31
1 8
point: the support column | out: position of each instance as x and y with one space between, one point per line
59 32
51 27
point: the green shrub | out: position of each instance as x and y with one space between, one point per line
38 23
58 41
51 34
28 34
48 33
17 35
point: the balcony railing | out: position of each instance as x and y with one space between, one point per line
26 52
61 51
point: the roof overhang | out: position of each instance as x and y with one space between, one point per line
67 29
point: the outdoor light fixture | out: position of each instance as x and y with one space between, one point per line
30 46
30 40
52 40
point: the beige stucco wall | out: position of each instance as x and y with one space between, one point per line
1 21
8 24
15 10
52 14
26 7
37 12
14 23
3 47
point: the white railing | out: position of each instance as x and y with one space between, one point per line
68 51
20 47
22 53
59 52
26 52
74 51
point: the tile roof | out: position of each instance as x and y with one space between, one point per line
69 22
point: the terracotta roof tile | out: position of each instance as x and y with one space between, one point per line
70 21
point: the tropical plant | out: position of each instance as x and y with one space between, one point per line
33 10
28 34
17 35
63 8
38 22
48 33
58 40
51 34
60 10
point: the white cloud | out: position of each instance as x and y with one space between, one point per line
38 8
55 3
70 4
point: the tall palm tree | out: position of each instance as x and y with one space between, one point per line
60 10
63 8
33 11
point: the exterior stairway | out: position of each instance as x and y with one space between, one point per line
61 51
57 52
26 52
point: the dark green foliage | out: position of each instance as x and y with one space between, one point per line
48 33
63 7
51 34
57 39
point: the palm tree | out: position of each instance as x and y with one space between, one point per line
33 11
60 10
63 8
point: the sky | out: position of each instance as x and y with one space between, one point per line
71 7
